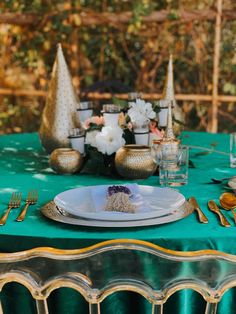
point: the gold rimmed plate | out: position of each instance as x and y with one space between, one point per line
51 211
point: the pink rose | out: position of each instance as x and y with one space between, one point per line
155 130
96 120
130 126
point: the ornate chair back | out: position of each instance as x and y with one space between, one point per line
120 265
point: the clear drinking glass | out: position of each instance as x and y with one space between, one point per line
233 150
156 151
174 171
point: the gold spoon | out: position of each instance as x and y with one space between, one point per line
228 202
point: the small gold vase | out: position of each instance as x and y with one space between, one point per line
135 162
66 161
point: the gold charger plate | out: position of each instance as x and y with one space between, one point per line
51 211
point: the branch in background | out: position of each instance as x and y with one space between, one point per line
227 115
207 151
26 19
102 48
91 18
98 96
128 54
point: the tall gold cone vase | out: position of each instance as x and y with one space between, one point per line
168 97
59 115
168 92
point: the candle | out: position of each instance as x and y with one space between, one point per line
84 111
77 137
111 115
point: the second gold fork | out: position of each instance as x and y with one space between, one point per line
30 200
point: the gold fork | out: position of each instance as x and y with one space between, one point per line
32 198
13 203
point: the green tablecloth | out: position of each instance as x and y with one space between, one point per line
24 166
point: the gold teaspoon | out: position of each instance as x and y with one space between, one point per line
213 207
228 202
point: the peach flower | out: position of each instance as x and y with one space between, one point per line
96 120
155 130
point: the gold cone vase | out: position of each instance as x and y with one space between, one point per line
59 115
168 97
168 92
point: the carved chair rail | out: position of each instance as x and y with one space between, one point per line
120 265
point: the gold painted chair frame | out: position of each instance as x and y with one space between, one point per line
120 265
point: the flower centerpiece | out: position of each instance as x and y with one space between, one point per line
100 137
101 143
136 124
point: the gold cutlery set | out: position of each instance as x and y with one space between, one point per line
227 202
15 202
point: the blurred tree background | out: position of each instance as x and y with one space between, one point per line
129 51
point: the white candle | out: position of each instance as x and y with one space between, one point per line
162 117
111 118
111 115
84 114
77 143
141 136
84 111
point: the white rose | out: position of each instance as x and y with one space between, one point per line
141 112
90 138
109 140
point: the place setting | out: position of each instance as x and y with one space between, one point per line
132 206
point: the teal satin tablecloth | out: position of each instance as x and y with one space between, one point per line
24 166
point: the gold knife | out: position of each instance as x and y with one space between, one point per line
201 216
213 207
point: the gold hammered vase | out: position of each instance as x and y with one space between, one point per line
66 161
135 162
59 115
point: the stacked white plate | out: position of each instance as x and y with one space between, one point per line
89 203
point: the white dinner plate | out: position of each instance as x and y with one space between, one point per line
79 202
